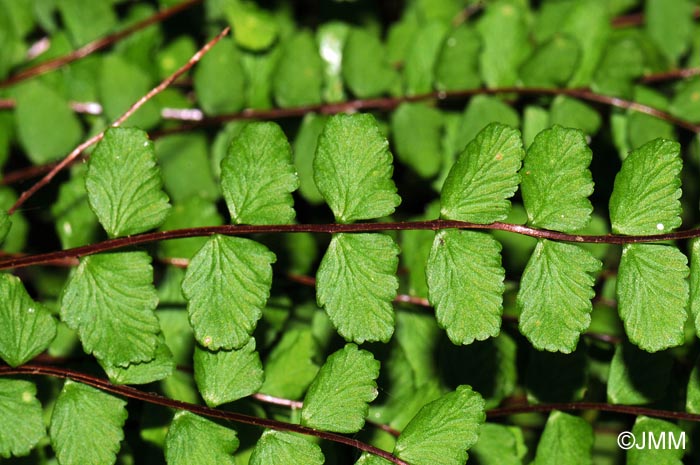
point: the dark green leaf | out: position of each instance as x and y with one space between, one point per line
686 102
86 425
669 24
232 275
227 375
652 293
258 177
556 181
638 377
481 111
692 402
290 367
443 431
23 426
566 440
338 398
356 283
552 63
572 113
417 132
589 22
422 56
87 20
219 80
76 224
298 78
465 281
16 236
365 67
27 326
192 439
353 168
555 295
193 212
184 161
484 177
621 64
160 367
647 189
498 445
457 65
304 152
280 447
124 184
109 291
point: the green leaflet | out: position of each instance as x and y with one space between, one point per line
76 224
87 20
572 113
23 425
338 397
417 134
5 225
290 367
695 283
298 77
642 128
227 375
285 448
499 445
535 120
192 439
589 22
365 67
219 79
621 64
191 213
670 25
356 284
124 184
353 168
645 198
566 440
110 300
552 63
16 236
670 454
86 425
484 177
227 285
421 56
555 295
652 293
253 27
503 32
27 326
556 181
159 368
638 377
686 102
481 110
465 282
331 38
184 161
304 151
692 402
443 430
457 65
258 177
47 128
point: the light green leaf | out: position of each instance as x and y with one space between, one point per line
258 72
16 237
481 111
645 198
353 168
27 326
121 84
417 133
638 377
290 367
566 440
686 102
253 27
184 161
589 22
227 285
75 222
86 425
652 293
675 438
298 77
5 225
280 447
159 368
692 401
338 398
174 54
621 64
23 426
124 184
669 23
572 113
498 445
505 45
535 120
219 79
555 295
365 67
258 177
484 177
304 151
110 300
192 439
193 212
227 375
47 128
695 283
443 431
642 128
331 38
556 181
552 63
465 282
419 65
457 65
87 20
356 284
